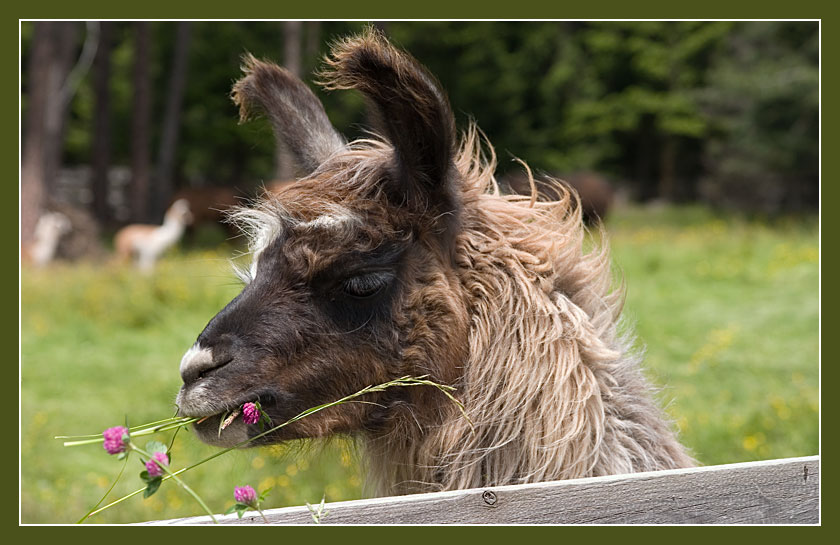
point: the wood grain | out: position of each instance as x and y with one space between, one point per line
768 492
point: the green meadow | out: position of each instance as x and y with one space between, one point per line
726 309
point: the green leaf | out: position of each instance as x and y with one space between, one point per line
152 487
122 455
155 446
264 494
145 476
238 507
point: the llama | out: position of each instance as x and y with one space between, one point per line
209 204
148 242
397 255
595 193
50 228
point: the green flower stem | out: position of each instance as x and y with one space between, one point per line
263 516
81 520
144 430
85 442
402 381
127 496
170 420
179 481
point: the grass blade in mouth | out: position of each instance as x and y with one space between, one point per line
228 420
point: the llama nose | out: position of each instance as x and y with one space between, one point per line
199 360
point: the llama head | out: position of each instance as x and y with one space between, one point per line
352 280
52 225
179 212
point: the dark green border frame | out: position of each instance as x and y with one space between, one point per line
434 9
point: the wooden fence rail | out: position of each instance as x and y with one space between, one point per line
769 492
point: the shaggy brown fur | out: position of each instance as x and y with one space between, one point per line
398 255
552 389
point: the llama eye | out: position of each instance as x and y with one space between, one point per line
366 285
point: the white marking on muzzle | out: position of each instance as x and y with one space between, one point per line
196 357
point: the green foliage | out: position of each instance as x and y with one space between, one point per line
723 111
763 153
155 446
239 508
152 483
570 96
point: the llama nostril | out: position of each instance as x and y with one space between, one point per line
218 361
199 360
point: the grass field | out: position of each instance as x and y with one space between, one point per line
726 308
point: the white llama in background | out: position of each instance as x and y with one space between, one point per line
147 242
50 228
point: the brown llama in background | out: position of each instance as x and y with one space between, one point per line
595 193
397 255
209 205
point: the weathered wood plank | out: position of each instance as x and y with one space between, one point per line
768 492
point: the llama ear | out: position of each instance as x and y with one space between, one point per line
297 116
414 113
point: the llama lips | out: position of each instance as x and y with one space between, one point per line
196 401
227 429
208 431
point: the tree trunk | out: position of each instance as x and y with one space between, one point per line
312 44
51 56
32 161
101 145
645 158
172 120
292 31
140 125
61 62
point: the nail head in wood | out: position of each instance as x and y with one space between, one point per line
489 497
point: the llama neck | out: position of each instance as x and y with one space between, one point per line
171 230
551 390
